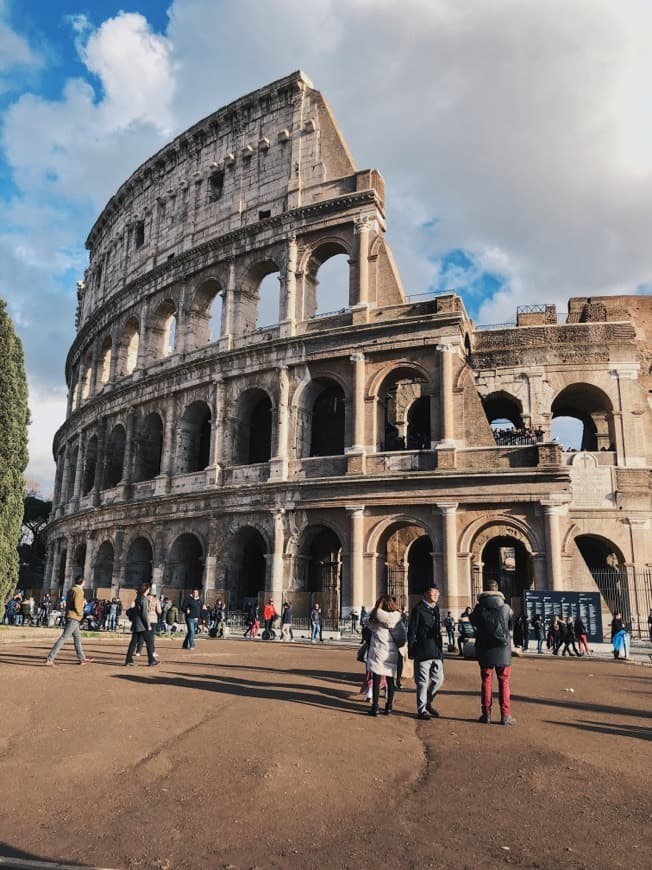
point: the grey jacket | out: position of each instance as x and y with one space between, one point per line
489 655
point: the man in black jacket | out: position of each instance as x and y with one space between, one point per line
425 647
493 620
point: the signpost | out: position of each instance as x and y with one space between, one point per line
547 604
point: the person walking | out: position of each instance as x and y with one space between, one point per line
539 632
315 623
425 649
493 620
569 638
141 627
580 634
618 635
387 638
72 626
153 618
555 636
269 615
192 608
286 623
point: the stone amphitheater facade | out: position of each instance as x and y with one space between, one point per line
330 456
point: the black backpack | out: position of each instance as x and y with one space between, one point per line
493 628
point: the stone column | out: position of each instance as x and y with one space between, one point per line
277 579
163 481
80 385
227 307
129 450
624 424
449 526
88 561
289 290
552 513
79 470
279 465
361 230
357 556
94 360
68 568
141 358
99 465
214 469
358 360
446 352
115 356
65 480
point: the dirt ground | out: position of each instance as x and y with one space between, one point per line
247 754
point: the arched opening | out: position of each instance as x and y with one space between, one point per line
567 431
149 448
269 300
331 282
129 347
606 564
321 419
327 280
418 424
185 566
506 560
253 435
74 453
405 550
205 321
90 465
78 561
103 568
88 377
320 563
501 408
420 570
194 438
114 457
593 410
245 579
162 331
400 390
105 360
138 564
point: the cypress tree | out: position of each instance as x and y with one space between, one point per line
14 417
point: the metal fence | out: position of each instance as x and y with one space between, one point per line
627 590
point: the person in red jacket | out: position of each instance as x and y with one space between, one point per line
269 614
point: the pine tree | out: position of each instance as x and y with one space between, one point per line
14 417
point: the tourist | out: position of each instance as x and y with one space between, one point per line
141 626
153 617
315 623
465 630
525 626
493 618
569 638
354 621
555 635
192 608
387 638
73 620
618 635
253 625
286 623
580 634
425 648
539 632
269 615
449 625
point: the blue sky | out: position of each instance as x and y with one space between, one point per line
515 139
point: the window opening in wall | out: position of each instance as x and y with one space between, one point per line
327 423
215 185
132 352
169 335
403 392
88 375
139 234
568 432
149 448
264 214
591 410
215 313
331 285
269 301
90 464
114 458
106 361
194 438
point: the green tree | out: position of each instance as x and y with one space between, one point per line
31 549
14 418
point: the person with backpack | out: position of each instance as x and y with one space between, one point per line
72 628
493 620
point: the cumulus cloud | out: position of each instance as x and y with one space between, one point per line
15 52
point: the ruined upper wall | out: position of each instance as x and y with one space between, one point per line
271 151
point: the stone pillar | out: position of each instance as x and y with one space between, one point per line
449 527
141 358
553 546
93 391
446 395
68 568
358 360
79 470
129 450
164 479
628 451
80 385
357 556
277 579
115 356
65 479
279 465
227 307
214 470
289 290
99 465
88 562
361 229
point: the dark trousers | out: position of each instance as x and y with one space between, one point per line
375 691
567 644
148 637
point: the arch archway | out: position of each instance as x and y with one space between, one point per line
506 560
138 563
319 563
205 320
194 438
402 388
321 419
149 448
404 558
103 568
105 361
114 457
162 331
327 279
247 568
418 424
90 465
184 567
593 409
606 564
501 407
78 561
253 428
129 347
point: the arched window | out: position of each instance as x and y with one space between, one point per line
105 360
114 458
269 301
205 319
185 564
194 438
400 391
88 377
321 419
149 448
162 331
129 347
89 465
586 406
258 302
327 281
246 568
103 568
253 436
138 564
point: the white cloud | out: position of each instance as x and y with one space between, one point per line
15 51
47 406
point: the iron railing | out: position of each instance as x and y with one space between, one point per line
627 590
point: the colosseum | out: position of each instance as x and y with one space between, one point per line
257 407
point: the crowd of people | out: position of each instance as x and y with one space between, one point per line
518 437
